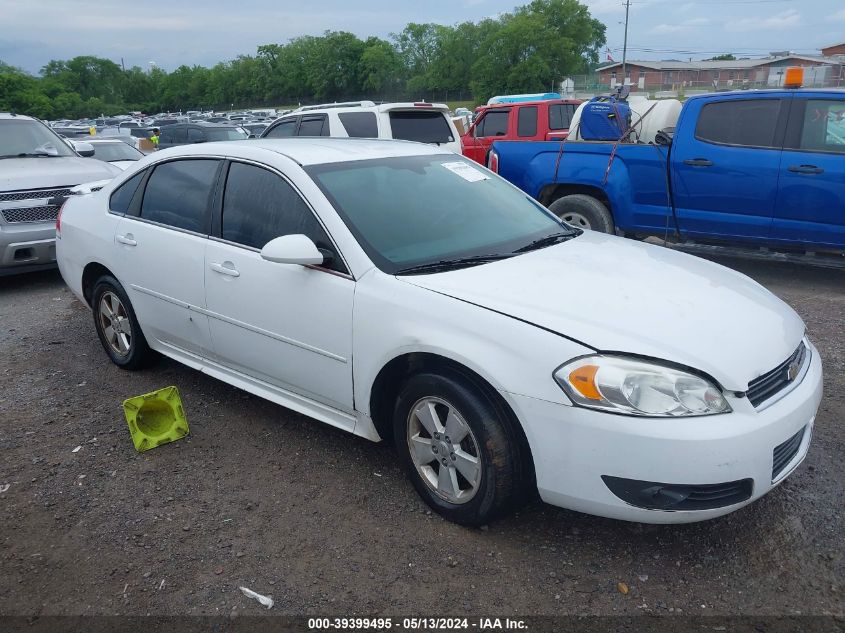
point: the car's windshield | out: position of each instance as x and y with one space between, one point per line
225 134
25 138
418 210
115 151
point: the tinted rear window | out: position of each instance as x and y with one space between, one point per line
225 134
178 194
527 121
313 126
360 124
751 123
424 126
560 116
282 130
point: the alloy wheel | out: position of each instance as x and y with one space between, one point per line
444 450
114 321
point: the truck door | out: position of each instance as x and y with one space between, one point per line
491 125
811 199
725 165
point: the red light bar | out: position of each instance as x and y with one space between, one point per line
423 104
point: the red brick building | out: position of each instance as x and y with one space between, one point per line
834 49
751 73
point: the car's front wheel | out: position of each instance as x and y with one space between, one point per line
455 444
117 326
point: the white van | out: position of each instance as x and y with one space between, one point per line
422 122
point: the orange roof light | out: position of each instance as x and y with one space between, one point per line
794 77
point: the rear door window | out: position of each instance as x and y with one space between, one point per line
560 116
749 123
423 126
823 128
282 130
195 135
526 121
317 125
359 124
494 123
178 194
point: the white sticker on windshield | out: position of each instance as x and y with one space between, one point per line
465 171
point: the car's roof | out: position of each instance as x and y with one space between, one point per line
310 150
9 115
112 139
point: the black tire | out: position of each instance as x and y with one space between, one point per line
138 354
590 213
500 486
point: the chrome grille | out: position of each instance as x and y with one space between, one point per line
762 388
31 214
33 194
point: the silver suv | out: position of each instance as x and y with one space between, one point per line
37 171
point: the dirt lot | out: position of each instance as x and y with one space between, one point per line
326 523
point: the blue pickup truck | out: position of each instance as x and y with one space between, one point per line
754 167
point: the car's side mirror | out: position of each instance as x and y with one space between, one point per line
292 249
85 150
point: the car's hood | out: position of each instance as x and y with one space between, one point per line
17 174
619 295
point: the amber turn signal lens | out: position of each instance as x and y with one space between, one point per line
584 380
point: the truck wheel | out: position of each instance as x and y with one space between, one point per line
584 212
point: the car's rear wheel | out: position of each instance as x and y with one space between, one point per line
117 326
584 212
455 444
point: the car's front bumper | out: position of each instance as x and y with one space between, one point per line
27 246
573 448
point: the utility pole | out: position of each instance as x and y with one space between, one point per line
625 44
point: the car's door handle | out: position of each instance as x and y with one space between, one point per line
698 162
806 169
127 239
226 268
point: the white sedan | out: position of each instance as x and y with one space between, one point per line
396 291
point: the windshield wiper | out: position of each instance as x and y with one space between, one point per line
549 240
453 264
28 155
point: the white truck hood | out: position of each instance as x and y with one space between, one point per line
17 174
619 295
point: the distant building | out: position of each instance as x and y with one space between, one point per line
834 49
671 74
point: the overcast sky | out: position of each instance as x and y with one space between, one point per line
174 32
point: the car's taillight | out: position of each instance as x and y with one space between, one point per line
493 162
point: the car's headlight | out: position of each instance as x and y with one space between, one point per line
635 387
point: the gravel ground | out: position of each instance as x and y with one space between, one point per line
326 523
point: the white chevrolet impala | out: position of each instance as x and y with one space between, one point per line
399 292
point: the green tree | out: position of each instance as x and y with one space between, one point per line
726 57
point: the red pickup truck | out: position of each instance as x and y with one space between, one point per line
522 121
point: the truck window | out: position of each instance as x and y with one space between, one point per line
560 116
494 123
526 124
823 128
749 123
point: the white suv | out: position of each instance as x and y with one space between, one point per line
422 122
